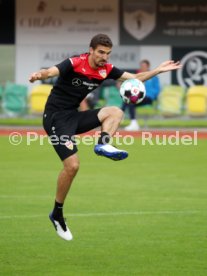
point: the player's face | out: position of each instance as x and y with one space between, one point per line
144 67
99 56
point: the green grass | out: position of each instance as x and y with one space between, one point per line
21 121
172 123
153 206
147 122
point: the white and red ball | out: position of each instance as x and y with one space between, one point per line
132 91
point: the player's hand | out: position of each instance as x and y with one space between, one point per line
35 76
169 65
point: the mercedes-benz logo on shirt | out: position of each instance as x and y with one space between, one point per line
76 82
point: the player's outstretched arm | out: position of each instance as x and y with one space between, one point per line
166 66
44 74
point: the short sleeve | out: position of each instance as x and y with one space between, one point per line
115 73
64 67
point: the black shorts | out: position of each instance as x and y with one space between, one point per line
63 125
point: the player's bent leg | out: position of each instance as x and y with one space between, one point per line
66 176
110 118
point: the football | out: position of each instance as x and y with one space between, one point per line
132 91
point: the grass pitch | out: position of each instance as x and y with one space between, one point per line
146 215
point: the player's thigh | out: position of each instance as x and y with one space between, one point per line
61 132
64 143
110 111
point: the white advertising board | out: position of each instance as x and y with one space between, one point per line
30 58
65 22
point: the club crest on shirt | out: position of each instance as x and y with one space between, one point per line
102 73
69 145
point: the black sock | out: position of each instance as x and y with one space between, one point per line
104 138
58 210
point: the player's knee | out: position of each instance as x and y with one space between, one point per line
71 166
117 112
112 112
75 167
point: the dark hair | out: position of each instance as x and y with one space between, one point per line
146 61
101 39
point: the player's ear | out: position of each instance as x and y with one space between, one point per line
91 50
